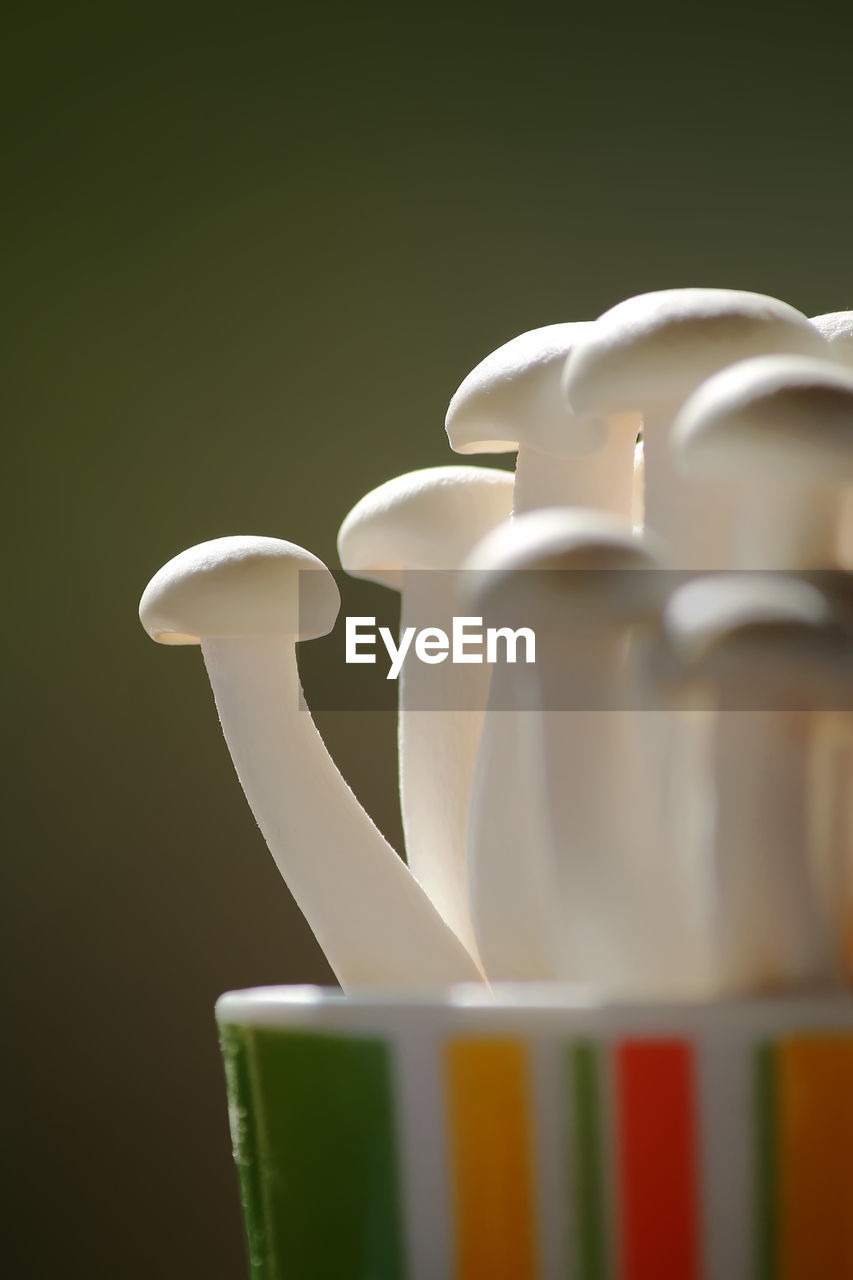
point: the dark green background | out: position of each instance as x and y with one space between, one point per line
250 251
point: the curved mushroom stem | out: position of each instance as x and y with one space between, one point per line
374 922
441 709
768 931
601 480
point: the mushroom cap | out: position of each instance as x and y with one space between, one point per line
837 329
567 565
656 348
774 637
427 519
240 586
513 398
784 418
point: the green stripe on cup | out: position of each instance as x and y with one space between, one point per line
242 1119
587 1163
766 1144
320 1184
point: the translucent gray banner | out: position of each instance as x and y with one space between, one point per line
555 639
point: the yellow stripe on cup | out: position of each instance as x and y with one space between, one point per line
491 1149
815 1145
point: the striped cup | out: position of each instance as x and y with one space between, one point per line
528 1134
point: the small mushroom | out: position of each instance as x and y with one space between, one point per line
645 357
512 400
837 329
835 748
568 879
780 430
247 601
765 652
412 534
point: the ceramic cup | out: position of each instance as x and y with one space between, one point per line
529 1134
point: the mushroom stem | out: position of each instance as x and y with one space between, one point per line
693 519
638 488
441 710
373 921
768 928
792 529
845 533
585 745
625 915
411 534
831 828
601 480
513 900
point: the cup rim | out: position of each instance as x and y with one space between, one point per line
481 1004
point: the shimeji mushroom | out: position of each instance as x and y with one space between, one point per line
766 652
779 430
412 534
647 355
837 329
247 601
834 749
512 400
783 428
580 888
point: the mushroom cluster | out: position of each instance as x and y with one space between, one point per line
660 805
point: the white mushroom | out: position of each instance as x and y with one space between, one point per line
512 400
779 429
583 890
833 763
246 601
765 652
837 329
646 356
783 426
411 534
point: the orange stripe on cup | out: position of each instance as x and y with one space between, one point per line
815 1143
492 1160
657 1161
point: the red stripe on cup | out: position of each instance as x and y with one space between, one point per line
657 1160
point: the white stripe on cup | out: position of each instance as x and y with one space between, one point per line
726 1143
419 1093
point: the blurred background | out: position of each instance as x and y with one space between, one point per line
250 252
